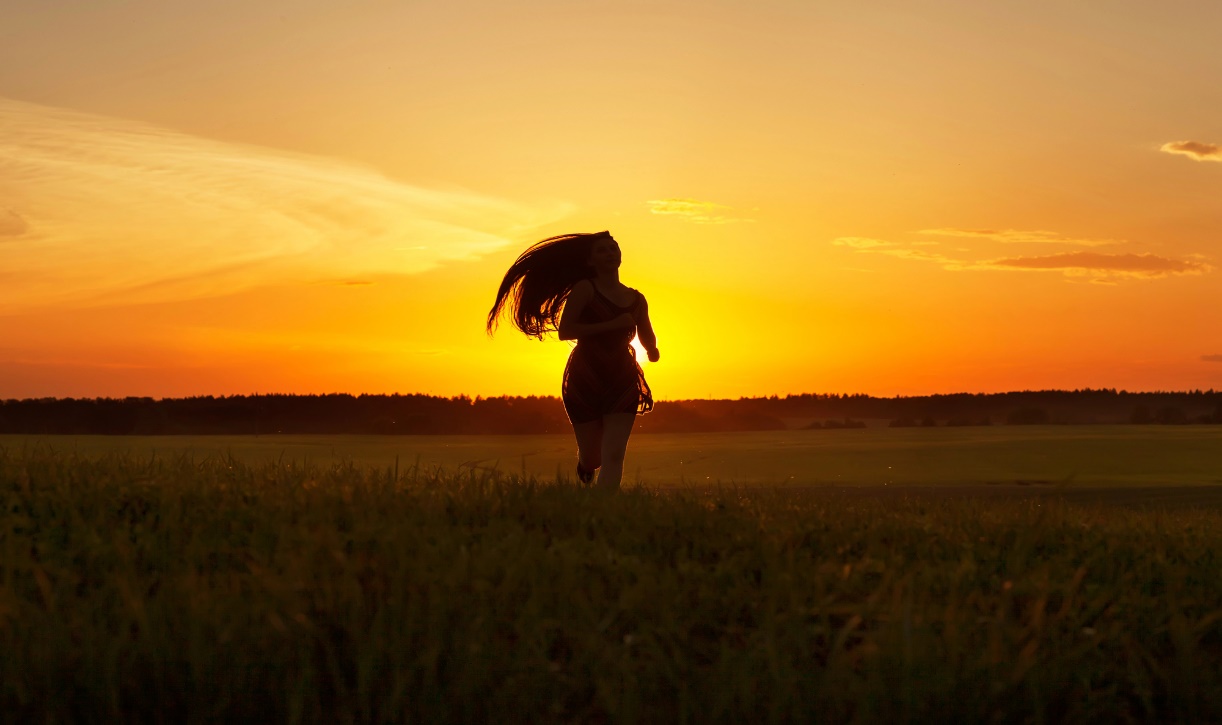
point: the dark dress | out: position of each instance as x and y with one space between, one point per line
602 375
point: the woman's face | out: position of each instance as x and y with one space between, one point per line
605 254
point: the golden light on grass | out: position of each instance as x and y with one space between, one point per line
307 571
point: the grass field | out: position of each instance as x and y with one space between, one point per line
1033 455
196 586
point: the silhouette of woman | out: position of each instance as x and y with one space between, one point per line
570 285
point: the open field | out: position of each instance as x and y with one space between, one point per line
190 589
1075 456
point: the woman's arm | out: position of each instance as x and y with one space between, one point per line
644 331
579 297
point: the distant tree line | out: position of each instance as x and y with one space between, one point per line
432 415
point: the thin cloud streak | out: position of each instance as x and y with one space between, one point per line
861 242
867 245
1147 266
12 224
1018 236
115 211
1195 150
699 212
1211 358
1099 266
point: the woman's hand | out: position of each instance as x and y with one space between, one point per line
653 354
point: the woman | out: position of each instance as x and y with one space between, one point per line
570 284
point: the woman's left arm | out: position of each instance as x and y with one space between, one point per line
644 330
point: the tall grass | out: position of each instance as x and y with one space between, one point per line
175 589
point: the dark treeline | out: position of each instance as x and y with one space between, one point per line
1028 407
425 414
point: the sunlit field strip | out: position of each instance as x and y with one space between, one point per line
176 588
1068 456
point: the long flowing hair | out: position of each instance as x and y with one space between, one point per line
537 284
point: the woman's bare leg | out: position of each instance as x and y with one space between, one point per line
616 429
589 444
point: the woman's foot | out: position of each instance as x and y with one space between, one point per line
583 475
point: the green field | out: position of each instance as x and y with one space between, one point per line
1031 455
307 580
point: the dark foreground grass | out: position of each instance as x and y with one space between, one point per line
179 590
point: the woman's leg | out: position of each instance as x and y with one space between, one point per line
616 429
589 444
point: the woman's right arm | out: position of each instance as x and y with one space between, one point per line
644 331
579 297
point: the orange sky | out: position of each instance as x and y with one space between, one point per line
886 197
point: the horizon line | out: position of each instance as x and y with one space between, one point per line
461 396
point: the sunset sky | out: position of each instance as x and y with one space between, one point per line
894 197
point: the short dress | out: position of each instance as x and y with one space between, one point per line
602 375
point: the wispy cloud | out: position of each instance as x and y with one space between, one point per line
700 212
12 224
1211 358
924 256
115 210
1018 236
862 242
1195 150
1097 266
868 245
1092 263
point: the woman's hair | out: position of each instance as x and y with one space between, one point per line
537 284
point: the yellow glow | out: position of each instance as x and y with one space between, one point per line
828 198
638 349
